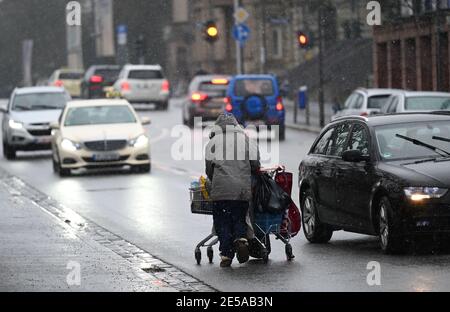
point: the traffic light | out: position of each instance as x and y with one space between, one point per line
210 32
303 40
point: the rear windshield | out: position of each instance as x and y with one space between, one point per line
213 90
39 101
70 76
108 74
145 74
427 103
245 87
99 115
377 101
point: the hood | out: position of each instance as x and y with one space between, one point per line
102 132
432 173
34 117
226 122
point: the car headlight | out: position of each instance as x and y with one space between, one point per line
15 124
421 193
140 141
70 146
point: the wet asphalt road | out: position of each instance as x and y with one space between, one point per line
152 211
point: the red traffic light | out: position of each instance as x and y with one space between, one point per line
302 39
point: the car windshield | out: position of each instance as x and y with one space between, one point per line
145 74
99 115
212 89
433 103
39 101
245 87
377 101
393 147
70 76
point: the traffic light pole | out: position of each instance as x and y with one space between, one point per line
321 83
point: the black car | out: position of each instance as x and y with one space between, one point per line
386 175
96 78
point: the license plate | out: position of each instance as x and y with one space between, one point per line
44 140
255 123
106 157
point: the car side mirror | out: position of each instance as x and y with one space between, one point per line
354 156
54 126
145 121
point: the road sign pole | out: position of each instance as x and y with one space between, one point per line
239 49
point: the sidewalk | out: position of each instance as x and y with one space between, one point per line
314 125
36 247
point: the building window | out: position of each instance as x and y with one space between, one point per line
277 43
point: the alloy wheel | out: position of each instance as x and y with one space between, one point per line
384 225
309 216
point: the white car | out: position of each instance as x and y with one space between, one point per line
100 133
365 102
70 79
416 101
144 84
27 118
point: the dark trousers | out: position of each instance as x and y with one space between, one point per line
229 223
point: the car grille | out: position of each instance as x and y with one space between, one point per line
105 145
40 132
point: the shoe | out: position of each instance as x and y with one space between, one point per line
225 262
242 253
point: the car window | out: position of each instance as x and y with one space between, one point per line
427 103
322 144
338 142
377 101
213 89
98 115
108 73
70 76
145 74
349 102
393 106
358 102
359 139
246 87
39 101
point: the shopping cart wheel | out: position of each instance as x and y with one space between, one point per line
198 255
210 253
289 254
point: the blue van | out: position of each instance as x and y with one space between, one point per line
256 100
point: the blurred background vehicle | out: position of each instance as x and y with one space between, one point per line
27 118
416 101
206 98
96 78
256 100
144 84
99 134
365 102
70 79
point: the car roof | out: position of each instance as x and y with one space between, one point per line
425 93
254 77
105 66
390 119
70 70
39 89
142 67
211 77
100 102
378 91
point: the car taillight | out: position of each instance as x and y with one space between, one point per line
96 79
280 105
228 105
58 83
125 86
165 86
198 97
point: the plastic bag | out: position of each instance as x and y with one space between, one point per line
269 197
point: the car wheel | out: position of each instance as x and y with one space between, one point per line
55 165
282 133
164 106
63 172
389 242
315 231
8 151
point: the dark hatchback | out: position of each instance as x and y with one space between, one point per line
96 78
386 175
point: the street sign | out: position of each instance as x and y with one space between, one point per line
241 15
122 31
241 33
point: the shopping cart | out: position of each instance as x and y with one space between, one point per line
264 225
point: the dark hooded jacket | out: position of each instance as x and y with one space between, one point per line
231 158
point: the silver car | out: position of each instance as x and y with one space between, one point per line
365 102
416 101
27 118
